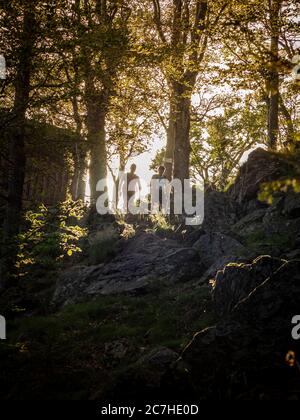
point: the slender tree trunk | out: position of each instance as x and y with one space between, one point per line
97 102
80 153
82 178
289 122
78 184
274 76
75 175
182 134
169 156
122 167
17 156
97 144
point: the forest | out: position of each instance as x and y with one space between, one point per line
126 307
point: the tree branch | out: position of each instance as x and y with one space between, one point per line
157 20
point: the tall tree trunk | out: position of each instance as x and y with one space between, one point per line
182 133
17 157
169 156
97 103
78 185
274 75
82 178
80 152
188 38
75 180
289 122
97 144
122 166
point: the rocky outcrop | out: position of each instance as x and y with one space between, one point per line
221 212
215 246
261 166
216 250
237 281
144 259
250 223
291 206
244 356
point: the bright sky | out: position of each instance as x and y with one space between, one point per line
143 163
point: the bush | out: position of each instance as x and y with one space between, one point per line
52 235
102 244
102 251
161 225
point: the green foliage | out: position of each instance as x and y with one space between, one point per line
283 185
220 142
158 160
127 230
268 190
52 235
161 225
262 243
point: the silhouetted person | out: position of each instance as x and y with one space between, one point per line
158 187
131 184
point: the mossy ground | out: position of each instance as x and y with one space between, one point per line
274 244
74 353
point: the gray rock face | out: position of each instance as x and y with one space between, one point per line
161 357
292 205
244 356
221 212
211 273
237 281
215 246
250 223
144 259
261 167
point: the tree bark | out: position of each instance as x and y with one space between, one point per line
17 158
97 102
78 185
170 149
16 150
182 130
289 122
97 145
82 178
274 75
122 167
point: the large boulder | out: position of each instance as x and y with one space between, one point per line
216 248
292 205
250 224
273 229
237 281
221 212
261 166
244 356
